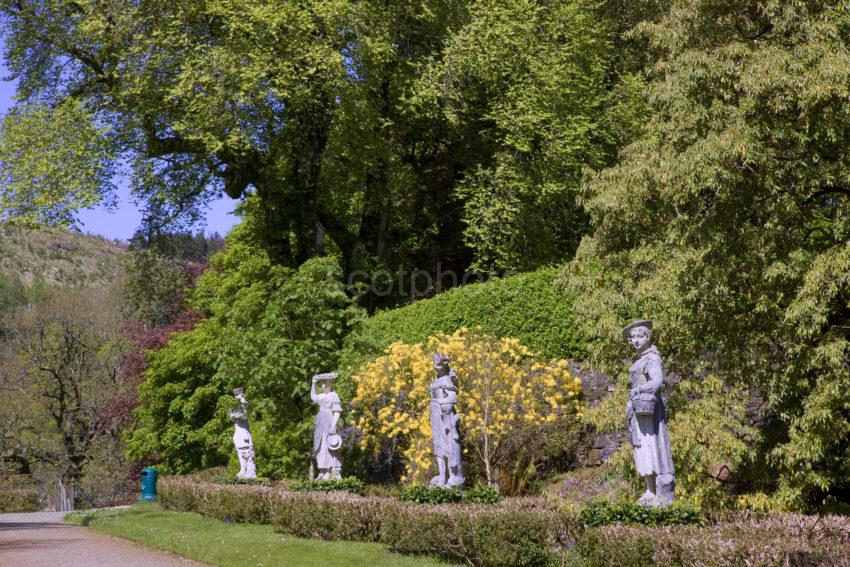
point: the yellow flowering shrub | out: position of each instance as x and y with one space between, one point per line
504 390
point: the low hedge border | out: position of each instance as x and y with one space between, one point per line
781 539
515 532
526 532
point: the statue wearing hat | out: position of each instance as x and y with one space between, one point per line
647 417
326 441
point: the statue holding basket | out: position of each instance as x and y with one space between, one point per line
647 417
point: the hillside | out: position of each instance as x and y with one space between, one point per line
59 257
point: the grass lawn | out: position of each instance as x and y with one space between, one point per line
214 542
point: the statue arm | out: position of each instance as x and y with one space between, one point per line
313 395
655 375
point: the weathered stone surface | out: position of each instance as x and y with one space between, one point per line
326 440
444 421
242 437
647 416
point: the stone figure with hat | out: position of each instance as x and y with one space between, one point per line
444 425
647 417
242 436
326 440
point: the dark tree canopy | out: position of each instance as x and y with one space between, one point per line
392 133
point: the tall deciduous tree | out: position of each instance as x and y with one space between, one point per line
728 224
60 375
395 133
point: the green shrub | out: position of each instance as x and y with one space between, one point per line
258 481
19 500
604 513
419 494
768 541
524 307
347 484
481 495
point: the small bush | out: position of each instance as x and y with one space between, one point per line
18 500
348 484
419 494
258 481
481 495
604 513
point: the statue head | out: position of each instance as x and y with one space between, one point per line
326 381
441 363
639 334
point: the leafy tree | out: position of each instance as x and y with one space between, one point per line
727 223
394 133
267 329
53 162
60 376
527 85
506 400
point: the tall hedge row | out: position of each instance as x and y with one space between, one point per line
525 307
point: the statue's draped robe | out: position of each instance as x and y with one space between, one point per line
444 426
649 432
328 404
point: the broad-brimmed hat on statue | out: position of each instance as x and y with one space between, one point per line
642 323
334 441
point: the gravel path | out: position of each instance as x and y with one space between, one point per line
41 539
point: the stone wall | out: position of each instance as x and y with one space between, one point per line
595 448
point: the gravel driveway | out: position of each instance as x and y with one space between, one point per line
41 539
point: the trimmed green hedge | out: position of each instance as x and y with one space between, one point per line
518 531
514 532
525 307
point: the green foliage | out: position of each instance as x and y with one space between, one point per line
605 513
525 307
425 128
257 481
267 329
481 495
419 494
54 161
530 81
18 494
349 484
727 224
153 286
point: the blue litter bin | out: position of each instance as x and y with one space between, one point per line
149 484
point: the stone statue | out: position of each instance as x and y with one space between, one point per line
647 417
444 421
242 437
326 441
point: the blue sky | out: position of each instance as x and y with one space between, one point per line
123 221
